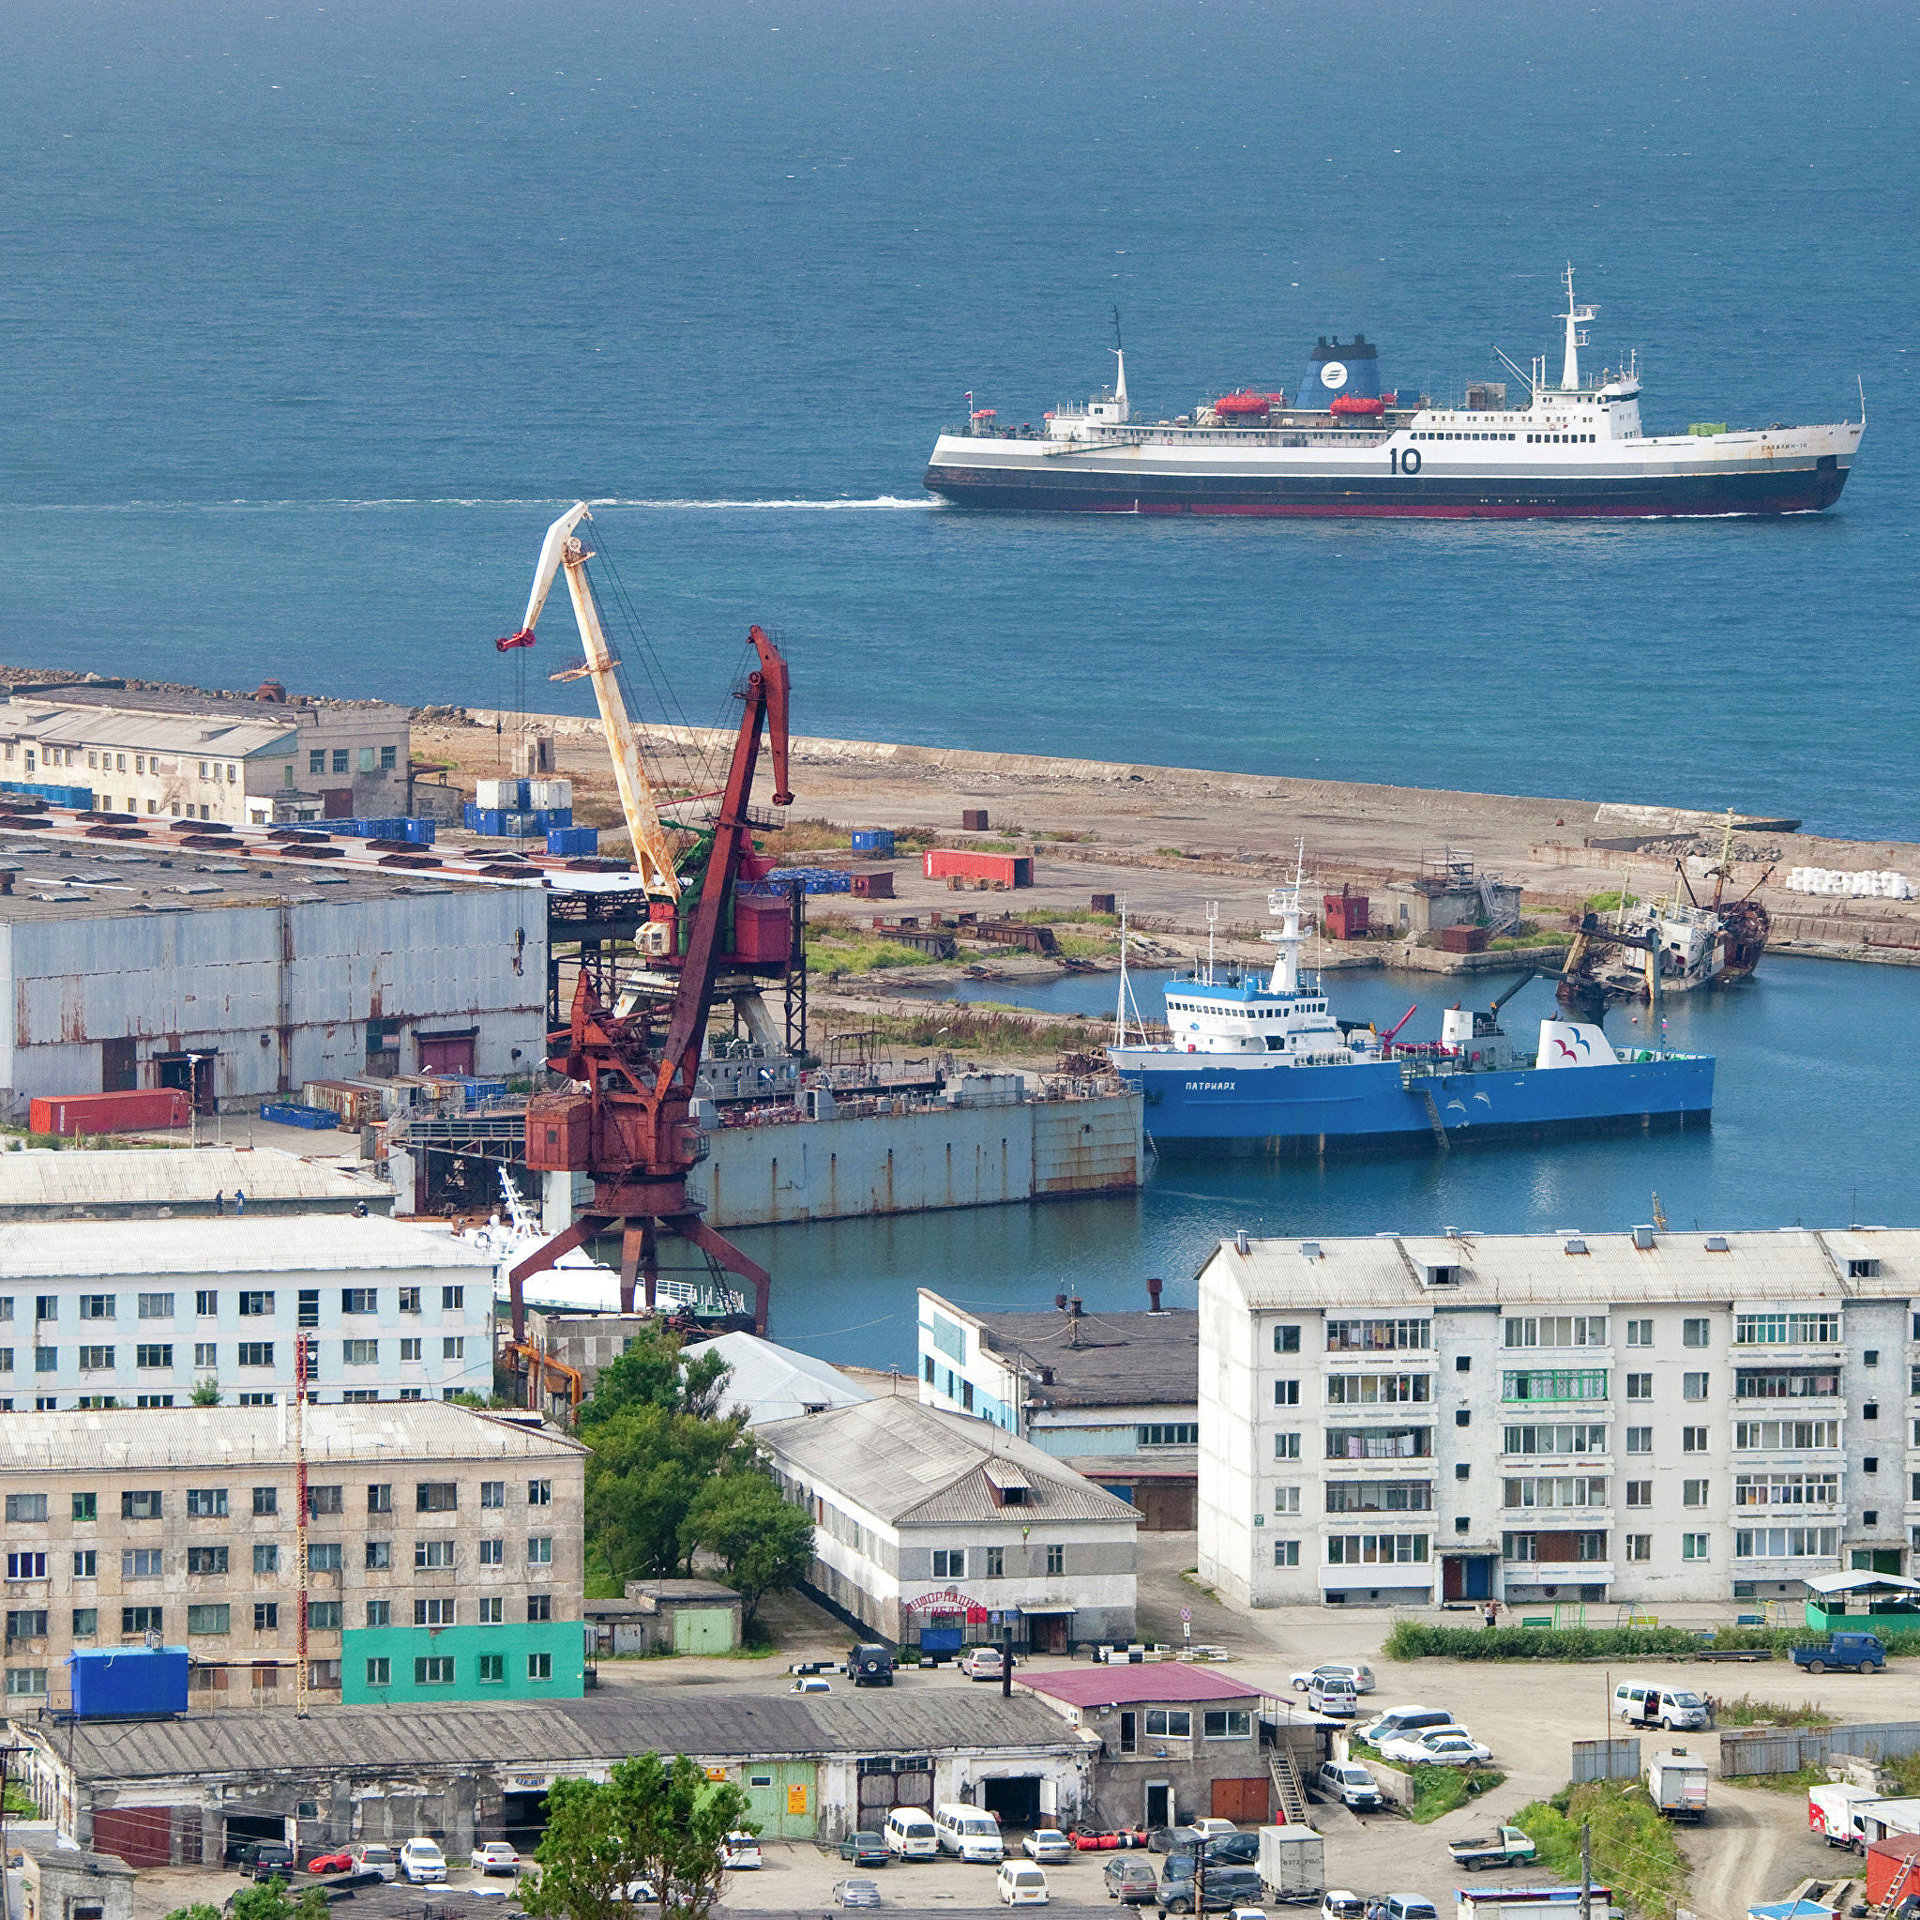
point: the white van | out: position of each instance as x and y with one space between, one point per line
1649 1703
910 1834
1332 1693
969 1832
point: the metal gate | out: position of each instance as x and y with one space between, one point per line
781 1798
1606 1760
886 1784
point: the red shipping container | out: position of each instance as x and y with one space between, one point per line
1884 1861
137 1111
950 863
1463 939
763 934
874 886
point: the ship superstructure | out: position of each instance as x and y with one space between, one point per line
1347 446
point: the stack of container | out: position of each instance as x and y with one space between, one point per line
80 799
815 879
520 809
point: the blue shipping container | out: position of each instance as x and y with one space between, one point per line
122 1681
290 1113
873 840
80 799
573 842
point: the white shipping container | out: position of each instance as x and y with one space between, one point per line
495 795
543 795
1293 1863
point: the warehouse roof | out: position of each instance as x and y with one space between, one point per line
313 1243
1095 1359
775 1383
911 1465
217 1437
580 1735
203 700
1393 1272
230 737
1125 1686
44 1181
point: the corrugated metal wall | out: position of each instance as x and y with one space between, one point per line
1788 1751
1606 1760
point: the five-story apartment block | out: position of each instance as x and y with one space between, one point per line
1649 1416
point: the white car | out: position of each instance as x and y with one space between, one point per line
1020 1885
1212 1827
495 1857
640 1893
811 1683
1048 1845
421 1860
374 1858
1439 1749
741 1851
1357 1671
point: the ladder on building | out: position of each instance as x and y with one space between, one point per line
1891 1903
1287 1788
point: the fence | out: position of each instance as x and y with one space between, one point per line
1606 1760
1787 1750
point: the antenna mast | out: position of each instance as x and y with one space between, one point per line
1120 357
1576 338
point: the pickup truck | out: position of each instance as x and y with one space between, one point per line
1851 1652
1504 1847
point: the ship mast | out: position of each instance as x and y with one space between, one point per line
1574 317
1284 901
1120 378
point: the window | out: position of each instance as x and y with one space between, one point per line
493 1611
1870 1410
433 1553
266 1616
266 1502
1693 1439
213 1617
323 1673
1570 1385
433 1613
1639 1439
539 1666
1169 1723
453 1299
46 1360
1639 1546
454 1347
1695 1332
96 1306
1786 1543
1693 1386
493 1553
86 1622
379 1613
1286 1553
1376 1496
206 1303
410 1301
1579 1491
539 1493
1286 1393
410 1349
340 760
26 1506
539 1607
308 1311
46 1306
379 1553
1376 1390
1786 1330
1376 1549
1554 1548
1286 1446
29 1623
325 1500
1578 1437
6 1306
156 1306
540 1552
1556 1330
86 1563
140 1506
1786 1490
1286 1339
256 1305
140 1563
389 759
317 760
86 1506
493 1493
1693 1493
26 1680
380 1672
141 1620
1767 1435
1379 1443
436 1496
206 1353
96 1360
361 1353
949 1563
1639 1493
1693 1546
1286 1499
359 1300
493 1667
206 1560
1639 1333
1639 1386
324 1556
434 1671
266 1557
1377 1336
256 1353
153 1400
206 1503
1056 1560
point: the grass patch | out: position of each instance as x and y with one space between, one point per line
1796 1782
1611 902
1749 1712
1509 942
970 1030
1634 1849
845 951
1436 1790
1086 946
1416 1640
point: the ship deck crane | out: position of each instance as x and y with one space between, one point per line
653 852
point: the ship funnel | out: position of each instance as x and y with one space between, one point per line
1336 371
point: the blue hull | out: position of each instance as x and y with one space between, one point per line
1197 1097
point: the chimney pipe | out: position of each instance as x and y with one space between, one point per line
1153 1297
1240 1242
1060 1302
1073 1308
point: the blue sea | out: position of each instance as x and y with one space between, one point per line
313 317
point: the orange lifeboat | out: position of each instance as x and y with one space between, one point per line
1352 403
1243 406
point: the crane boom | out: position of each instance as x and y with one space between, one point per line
653 853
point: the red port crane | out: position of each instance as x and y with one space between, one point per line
628 1119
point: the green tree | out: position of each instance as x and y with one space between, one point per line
206 1394
200 1910
648 1467
653 1373
267 1900
764 1544
651 1821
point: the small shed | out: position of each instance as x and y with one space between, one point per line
1860 1601
676 1616
59 1882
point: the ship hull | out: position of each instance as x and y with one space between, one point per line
1052 487
1213 1103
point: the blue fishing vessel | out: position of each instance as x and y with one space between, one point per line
1260 1063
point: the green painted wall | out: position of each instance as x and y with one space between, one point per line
560 1640
782 1798
703 1629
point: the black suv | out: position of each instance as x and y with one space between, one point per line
871 1665
271 1857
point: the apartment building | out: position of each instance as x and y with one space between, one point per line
1110 1393
443 1551
101 1314
1649 1416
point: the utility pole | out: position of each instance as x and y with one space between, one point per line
1586 1870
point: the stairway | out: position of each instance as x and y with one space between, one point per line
1287 1788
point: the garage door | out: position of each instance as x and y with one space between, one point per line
703 1629
141 1836
1242 1800
781 1798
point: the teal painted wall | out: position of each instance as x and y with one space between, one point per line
561 1640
